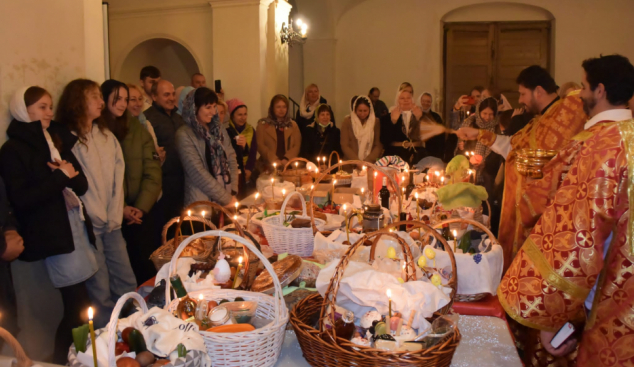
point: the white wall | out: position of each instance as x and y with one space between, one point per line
175 62
133 22
385 42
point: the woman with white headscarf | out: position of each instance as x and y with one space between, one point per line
311 99
360 132
44 181
400 130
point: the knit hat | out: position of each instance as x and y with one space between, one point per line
234 104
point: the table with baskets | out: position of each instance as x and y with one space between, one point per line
291 338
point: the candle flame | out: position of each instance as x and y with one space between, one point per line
316 170
237 204
403 189
472 153
235 217
203 213
364 168
318 158
257 195
362 190
178 220
340 161
334 182
416 196
296 163
375 174
240 260
442 179
283 191
312 187
406 170
455 233
437 173
272 181
470 171
90 313
344 207
389 294
189 213
200 297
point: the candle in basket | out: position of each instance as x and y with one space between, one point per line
404 198
470 173
389 302
283 193
201 308
374 186
189 214
237 205
235 280
363 195
274 168
204 228
340 161
437 174
273 188
93 340
455 240
442 181
332 196
466 154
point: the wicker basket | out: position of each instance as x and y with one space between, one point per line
319 346
163 254
193 359
296 241
22 360
469 297
326 173
260 347
298 176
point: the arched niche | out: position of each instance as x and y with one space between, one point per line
497 11
175 61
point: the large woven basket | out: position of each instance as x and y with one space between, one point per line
260 347
319 345
469 297
298 176
193 359
296 241
164 253
22 360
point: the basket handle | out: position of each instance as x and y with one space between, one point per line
114 318
294 160
330 157
18 351
279 301
344 163
288 197
333 287
174 220
484 228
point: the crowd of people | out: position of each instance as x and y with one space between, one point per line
87 190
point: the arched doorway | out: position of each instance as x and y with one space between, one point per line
176 63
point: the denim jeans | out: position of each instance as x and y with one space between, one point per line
114 277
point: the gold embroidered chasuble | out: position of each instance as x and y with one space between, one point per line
551 131
562 258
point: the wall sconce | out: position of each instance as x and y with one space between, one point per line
290 36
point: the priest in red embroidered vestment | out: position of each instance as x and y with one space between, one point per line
556 121
577 264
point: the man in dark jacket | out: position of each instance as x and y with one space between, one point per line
11 246
166 120
380 109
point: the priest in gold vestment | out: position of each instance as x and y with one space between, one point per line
577 264
556 121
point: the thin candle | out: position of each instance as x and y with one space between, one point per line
189 214
374 187
332 197
273 188
340 161
283 193
274 168
235 280
417 211
389 302
442 180
237 205
204 228
93 340
455 239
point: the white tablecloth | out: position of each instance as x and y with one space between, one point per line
488 338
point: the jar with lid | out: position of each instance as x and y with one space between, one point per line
372 217
344 327
220 315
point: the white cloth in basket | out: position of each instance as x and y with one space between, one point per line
364 288
476 274
182 269
163 332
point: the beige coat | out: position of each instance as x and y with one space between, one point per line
350 145
267 143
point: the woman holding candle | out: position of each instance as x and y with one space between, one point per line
485 118
142 178
321 137
360 132
101 158
278 136
209 161
44 181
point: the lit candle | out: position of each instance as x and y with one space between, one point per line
466 154
404 198
201 308
296 163
189 214
204 228
283 193
442 180
235 280
237 205
403 272
389 302
374 186
312 187
364 168
274 168
455 239
257 195
472 153
93 340
470 173
340 161
316 170
273 188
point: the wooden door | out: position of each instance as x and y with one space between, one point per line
491 54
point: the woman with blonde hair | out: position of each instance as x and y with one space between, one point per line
311 99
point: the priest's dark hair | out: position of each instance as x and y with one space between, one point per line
149 72
615 72
536 76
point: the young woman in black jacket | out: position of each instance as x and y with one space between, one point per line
44 182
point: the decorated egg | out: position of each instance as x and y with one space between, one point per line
422 261
430 253
391 253
436 280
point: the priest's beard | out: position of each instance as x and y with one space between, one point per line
588 105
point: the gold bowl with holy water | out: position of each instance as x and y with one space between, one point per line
529 162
